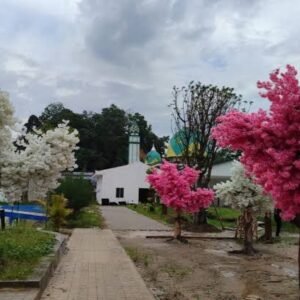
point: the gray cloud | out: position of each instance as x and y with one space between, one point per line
89 54
123 34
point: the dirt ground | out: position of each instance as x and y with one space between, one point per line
203 269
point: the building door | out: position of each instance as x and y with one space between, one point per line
143 195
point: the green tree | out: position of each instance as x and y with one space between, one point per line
195 110
112 136
78 191
103 136
54 113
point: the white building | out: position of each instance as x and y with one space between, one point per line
123 184
221 172
126 183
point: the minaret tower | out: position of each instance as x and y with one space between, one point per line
134 144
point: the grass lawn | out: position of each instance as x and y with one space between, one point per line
87 217
288 227
21 248
226 215
146 210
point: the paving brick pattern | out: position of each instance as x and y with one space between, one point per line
96 267
122 218
18 294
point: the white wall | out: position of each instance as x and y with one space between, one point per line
222 169
130 177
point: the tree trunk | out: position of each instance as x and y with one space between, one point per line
296 222
200 218
268 226
164 209
177 229
248 231
278 221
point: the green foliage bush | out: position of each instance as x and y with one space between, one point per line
150 207
78 191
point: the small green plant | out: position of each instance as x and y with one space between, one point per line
57 211
174 270
150 207
137 256
87 217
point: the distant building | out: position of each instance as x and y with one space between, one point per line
126 183
85 175
175 150
177 146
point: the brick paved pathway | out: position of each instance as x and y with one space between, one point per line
96 267
19 294
122 218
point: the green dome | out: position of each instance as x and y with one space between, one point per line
178 143
153 157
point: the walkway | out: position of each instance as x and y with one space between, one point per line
122 218
96 267
19 294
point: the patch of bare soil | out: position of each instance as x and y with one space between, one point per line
203 269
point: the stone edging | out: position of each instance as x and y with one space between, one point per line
40 278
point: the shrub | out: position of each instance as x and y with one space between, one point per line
58 211
150 207
78 191
87 217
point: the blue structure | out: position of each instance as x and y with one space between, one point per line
25 212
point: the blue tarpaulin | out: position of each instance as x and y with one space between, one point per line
24 212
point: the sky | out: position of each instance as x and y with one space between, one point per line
89 54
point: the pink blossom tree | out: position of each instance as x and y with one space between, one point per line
270 141
176 190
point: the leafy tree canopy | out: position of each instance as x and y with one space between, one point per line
103 136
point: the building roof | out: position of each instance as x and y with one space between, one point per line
153 157
136 165
178 143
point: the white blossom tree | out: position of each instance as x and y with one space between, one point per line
37 169
6 122
242 193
